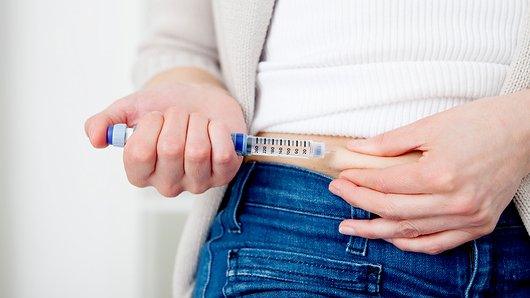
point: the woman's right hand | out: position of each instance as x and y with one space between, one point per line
182 140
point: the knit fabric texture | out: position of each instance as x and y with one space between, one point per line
518 78
226 38
361 68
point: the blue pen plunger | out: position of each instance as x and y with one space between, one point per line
110 131
240 143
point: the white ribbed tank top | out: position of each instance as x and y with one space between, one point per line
363 67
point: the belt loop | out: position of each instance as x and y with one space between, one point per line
236 192
357 245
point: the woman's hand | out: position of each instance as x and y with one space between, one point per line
182 139
473 159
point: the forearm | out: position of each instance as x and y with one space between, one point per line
180 37
511 115
184 75
525 98
522 115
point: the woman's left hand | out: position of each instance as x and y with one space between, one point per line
473 159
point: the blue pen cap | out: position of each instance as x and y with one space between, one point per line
116 135
240 143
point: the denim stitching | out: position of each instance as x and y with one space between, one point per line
378 279
210 254
286 279
234 271
339 269
475 269
350 247
356 251
341 285
276 247
228 269
248 252
238 271
293 211
244 252
240 187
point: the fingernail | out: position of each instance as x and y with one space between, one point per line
333 188
346 230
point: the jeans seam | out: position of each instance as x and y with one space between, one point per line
234 272
267 246
208 245
475 269
247 251
227 272
294 211
336 268
339 285
240 189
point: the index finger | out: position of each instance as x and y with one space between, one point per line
390 206
96 126
400 179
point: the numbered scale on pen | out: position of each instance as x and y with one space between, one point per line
252 145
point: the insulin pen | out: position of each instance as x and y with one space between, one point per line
244 144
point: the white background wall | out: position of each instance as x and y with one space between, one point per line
70 224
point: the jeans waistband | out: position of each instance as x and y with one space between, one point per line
302 190
295 189
286 189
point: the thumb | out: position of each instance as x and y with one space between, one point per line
392 143
96 126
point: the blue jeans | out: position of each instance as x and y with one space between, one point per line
276 235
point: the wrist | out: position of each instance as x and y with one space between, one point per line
521 122
184 75
509 117
525 100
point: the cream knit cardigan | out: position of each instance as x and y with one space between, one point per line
229 35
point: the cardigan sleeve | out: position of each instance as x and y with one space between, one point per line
180 33
522 201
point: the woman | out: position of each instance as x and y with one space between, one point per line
375 80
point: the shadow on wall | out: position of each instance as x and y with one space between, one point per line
5 239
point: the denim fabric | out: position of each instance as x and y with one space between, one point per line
276 235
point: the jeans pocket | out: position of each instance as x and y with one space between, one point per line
253 271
